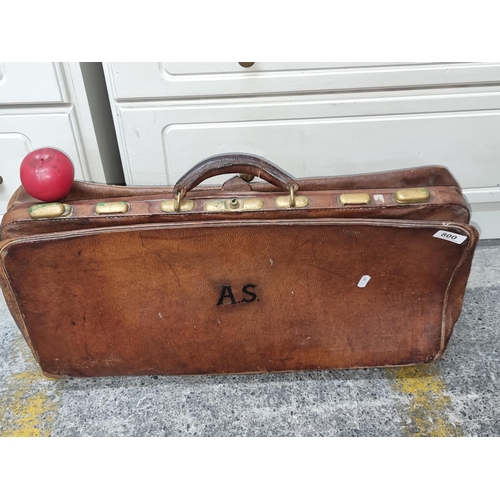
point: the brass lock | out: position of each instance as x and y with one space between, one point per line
234 204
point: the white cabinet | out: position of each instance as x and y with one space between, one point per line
49 104
173 80
346 119
32 83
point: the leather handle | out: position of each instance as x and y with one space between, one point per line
234 163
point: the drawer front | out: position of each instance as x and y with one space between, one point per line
31 83
22 132
181 80
13 148
320 136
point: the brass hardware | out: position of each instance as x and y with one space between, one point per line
169 206
215 206
1 179
246 64
177 202
247 177
412 195
112 207
251 204
49 210
354 199
291 199
299 201
235 204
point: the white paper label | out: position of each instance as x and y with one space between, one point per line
454 237
364 280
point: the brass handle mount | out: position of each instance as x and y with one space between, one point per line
246 64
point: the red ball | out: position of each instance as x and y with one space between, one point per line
47 174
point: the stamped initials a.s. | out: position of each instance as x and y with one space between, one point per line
227 296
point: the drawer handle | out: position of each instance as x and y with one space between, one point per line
246 65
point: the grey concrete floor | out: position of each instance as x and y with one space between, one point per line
459 395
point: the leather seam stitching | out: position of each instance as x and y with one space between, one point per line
446 296
24 329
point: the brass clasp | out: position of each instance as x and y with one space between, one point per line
112 207
354 199
49 210
170 205
412 195
292 201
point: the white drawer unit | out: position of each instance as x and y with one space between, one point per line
49 105
452 121
179 80
31 83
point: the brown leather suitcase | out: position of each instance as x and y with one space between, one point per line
287 274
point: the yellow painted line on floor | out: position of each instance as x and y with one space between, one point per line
31 401
425 407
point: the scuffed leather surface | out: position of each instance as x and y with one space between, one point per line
143 299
